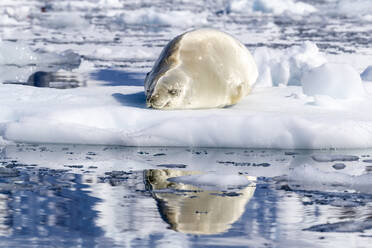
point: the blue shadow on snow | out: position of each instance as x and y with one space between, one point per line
136 100
119 78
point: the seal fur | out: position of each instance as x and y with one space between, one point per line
203 68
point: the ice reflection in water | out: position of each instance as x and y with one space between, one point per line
46 203
90 196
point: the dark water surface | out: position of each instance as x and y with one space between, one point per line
98 196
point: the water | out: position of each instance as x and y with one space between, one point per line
98 196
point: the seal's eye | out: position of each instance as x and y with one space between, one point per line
173 92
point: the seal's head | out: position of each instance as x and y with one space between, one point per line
169 91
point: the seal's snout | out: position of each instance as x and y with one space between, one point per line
156 101
152 100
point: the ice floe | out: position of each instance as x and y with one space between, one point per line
287 113
310 178
283 6
334 80
286 67
155 17
288 7
18 61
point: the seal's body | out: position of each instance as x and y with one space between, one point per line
203 68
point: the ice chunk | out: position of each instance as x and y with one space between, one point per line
367 74
307 177
110 3
334 157
339 81
154 17
276 7
354 8
86 5
69 21
14 15
287 66
16 53
279 7
18 61
239 5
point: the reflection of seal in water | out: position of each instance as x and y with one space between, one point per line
204 68
191 210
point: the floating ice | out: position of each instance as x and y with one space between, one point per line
14 15
306 177
277 7
334 80
117 115
354 8
16 53
287 66
71 21
367 74
153 17
18 61
86 4
334 157
239 6
283 6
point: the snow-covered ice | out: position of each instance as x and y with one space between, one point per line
157 18
117 114
80 195
113 44
334 80
283 6
286 66
287 7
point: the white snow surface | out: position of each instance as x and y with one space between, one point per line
283 6
270 117
120 45
156 17
286 66
116 115
334 80
278 7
